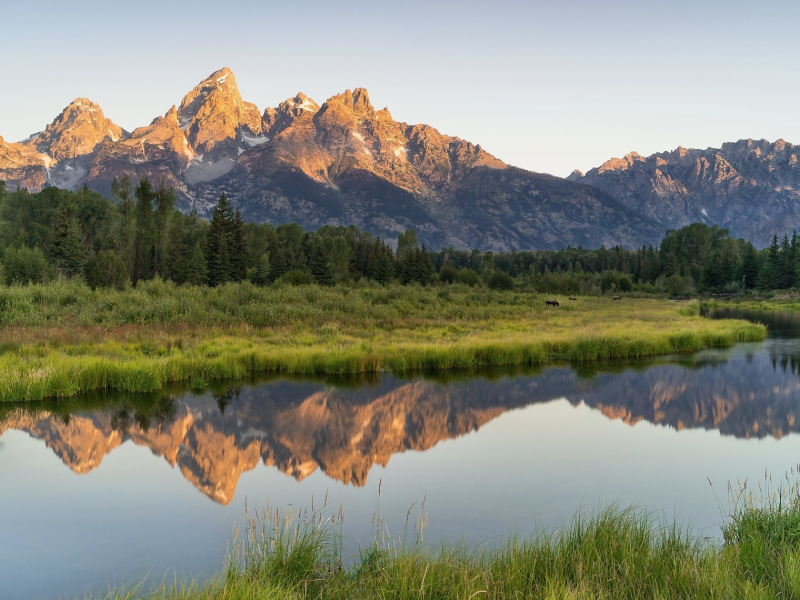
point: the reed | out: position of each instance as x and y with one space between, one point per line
609 553
62 339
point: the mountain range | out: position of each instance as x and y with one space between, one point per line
344 162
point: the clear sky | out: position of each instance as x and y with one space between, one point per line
548 85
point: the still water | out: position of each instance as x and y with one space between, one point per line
112 488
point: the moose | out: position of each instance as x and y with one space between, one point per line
551 302
617 298
572 298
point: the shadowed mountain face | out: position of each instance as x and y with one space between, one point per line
302 427
340 163
751 187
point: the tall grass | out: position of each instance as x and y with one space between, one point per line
61 339
610 553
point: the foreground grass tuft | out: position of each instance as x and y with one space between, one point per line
611 553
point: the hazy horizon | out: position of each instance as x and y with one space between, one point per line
545 86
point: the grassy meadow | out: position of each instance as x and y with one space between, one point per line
615 553
62 338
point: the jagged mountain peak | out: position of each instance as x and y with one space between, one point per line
356 101
78 130
751 187
214 113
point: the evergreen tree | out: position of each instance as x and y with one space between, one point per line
749 266
143 241
340 259
164 199
424 267
69 250
260 275
125 231
218 243
786 263
602 258
384 266
197 271
320 265
176 257
237 248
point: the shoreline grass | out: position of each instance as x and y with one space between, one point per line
609 553
62 339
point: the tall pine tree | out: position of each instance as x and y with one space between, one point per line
219 243
143 241
69 250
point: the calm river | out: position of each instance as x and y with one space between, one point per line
113 488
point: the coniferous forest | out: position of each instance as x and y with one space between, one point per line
141 235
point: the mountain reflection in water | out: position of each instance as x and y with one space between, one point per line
300 427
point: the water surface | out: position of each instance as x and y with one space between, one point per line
108 488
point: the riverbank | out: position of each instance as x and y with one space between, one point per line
62 339
612 553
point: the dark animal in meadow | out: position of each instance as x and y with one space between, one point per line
617 298
572 298
551 302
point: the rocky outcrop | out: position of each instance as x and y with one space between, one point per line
340 163
751 187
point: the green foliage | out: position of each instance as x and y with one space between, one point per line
143 240
260 273
676 285
26 265
295 277
69 254
106 269
447 274
154 239
501 281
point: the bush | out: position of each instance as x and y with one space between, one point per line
624 283
500 280
676 285
609 281
106 270
468 277
447 274
26 265
294 277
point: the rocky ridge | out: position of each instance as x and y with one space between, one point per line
343 162
751 187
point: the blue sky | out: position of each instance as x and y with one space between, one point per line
545 85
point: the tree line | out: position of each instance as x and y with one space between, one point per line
140 234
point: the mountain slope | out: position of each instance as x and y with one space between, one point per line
340 163
751 187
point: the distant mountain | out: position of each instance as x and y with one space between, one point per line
750 187
340 163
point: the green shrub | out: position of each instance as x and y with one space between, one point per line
294 277
447 274
106 270
500 280
468 277
676 285
26 265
